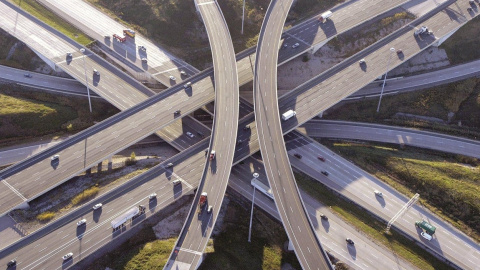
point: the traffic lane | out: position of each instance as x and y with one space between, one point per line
101 143
223 138
358 184
354 75
184 133
394 136
332 231
73 238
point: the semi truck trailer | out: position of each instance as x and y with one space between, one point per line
130 214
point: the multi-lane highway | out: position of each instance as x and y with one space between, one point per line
293 213
447 24
358 186
13 195
188 251
160 63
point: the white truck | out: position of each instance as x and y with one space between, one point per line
288 114
130 214
421 30
262 187
323 18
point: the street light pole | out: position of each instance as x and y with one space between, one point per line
385 79
86 80
243 15
255 175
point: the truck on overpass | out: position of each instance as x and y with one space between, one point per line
130 214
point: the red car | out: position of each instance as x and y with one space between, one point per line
321 158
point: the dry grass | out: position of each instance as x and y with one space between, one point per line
86 195
45 216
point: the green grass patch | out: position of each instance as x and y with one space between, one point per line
50 18
45 216
26 115
371 226
85 195
462 98
462 46
448 184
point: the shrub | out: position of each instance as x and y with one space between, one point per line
85 195
45 216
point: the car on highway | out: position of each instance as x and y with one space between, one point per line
169 165
27 75
378 193
96 206
189 134
209 210
399 51
187 85
152 196
381 84
69 54
246 128
81 222
96 72
421 30
176 182
172 78
426 236
55 157
350 241
325 173
212 155
297 155
144 59
177 112
321 158
295 45
67 256
142 48
11 263
183 73
322 216
362 61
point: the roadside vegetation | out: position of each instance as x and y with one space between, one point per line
230 249
372 227
27 115
449 185
462 47
460 98
162 22
36 9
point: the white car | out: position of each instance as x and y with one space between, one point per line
172 78
183 72
67 256
426 236
378 193
96 72
81 222
144 59
362 61
209 210
96 206
56 157
152 196
176 182
69 54
189 134
295 45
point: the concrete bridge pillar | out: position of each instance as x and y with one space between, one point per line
110 163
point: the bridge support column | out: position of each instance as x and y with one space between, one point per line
99 167
24 205
88 171
290 245
110 163
317 47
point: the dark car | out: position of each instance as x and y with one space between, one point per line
11 263
350 241
325 173
321 158
177 112
322 216
381 84
297 155
246 128
27 75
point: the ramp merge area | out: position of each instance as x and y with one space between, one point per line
187 253
290 206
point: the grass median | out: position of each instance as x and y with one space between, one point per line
50 18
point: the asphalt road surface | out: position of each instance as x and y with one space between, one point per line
293 213
199 224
